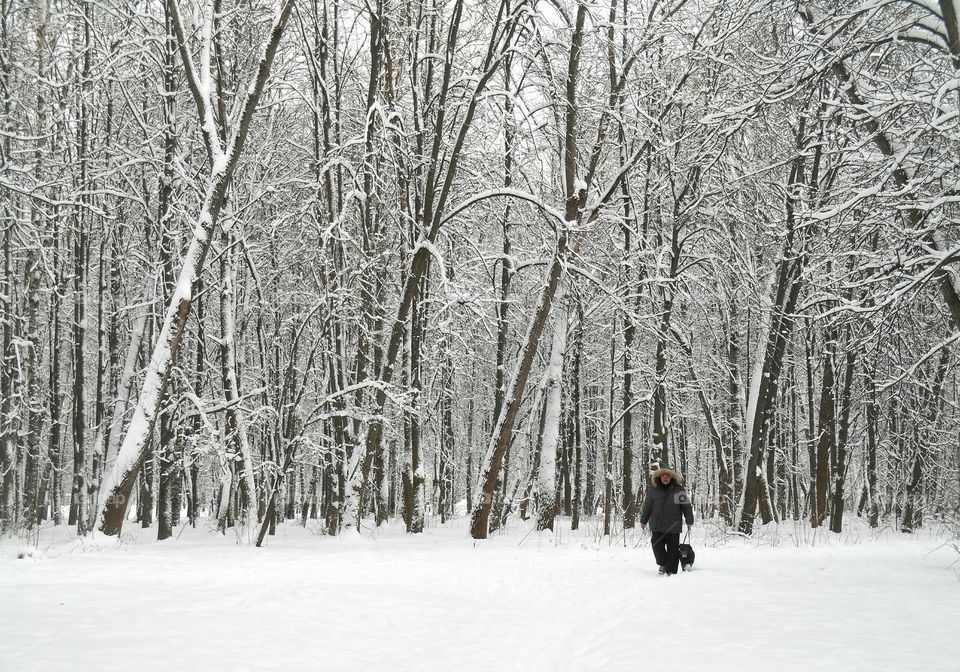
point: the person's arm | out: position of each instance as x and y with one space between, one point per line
647 509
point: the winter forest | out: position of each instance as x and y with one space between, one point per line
343 264
341 261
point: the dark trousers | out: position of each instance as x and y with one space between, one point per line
666 550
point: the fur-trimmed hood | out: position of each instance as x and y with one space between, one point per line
655 476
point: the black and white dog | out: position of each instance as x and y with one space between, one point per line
687 556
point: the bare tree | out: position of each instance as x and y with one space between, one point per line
116 487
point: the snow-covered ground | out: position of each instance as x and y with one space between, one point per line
786 600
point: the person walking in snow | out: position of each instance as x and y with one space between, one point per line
664 509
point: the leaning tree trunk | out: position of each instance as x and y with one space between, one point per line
117 485
575 195
503 433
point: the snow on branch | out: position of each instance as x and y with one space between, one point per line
199 84
926 356
509 193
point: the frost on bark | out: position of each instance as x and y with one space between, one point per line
118 483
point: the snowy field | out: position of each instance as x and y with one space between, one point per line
787 600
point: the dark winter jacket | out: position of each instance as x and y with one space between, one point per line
666 506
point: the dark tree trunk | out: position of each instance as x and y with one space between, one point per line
145 512
608 454
168 473
843 432
873 420
574 435
32 487
448 445
826 433
8 460
731 481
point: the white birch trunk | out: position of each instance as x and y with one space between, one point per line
546 476
354 484
226 485
759 356
756 376
503 430
124 388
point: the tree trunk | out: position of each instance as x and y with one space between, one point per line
546 486
7 429
773 343
826 432
575 197
417 328
873 419
32 488
435 194
933 399
236 424
626 437
608 457
115 490
78 505
843 433
713 431
168 472
446 454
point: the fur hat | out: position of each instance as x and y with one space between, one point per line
675 475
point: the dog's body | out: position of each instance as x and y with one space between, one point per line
687 556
